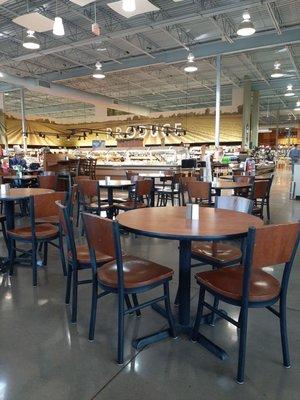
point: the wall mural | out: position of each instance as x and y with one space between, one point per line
174 129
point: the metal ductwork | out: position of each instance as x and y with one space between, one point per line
53 89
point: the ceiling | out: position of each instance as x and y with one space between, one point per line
143 57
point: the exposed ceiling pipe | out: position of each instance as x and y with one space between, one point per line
53 89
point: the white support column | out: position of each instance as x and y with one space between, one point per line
254 119
24 131
218 101
3 133
246 112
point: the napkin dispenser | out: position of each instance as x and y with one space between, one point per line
192 211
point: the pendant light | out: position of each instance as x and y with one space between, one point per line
58 26
246 27
98 74
31 42
128 5
277 72
297 108
190 67
289 91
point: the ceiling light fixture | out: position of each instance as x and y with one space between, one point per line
297 108
98 74
246 27
58 26
289 91
277 72
128 5
31 42
190 67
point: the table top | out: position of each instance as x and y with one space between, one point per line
171 223
155 175
256 177
23 178
114 183
225 184
22 193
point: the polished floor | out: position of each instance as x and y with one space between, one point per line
43 356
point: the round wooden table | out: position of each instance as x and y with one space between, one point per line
13 195
220 185
110 186
153 176
171 223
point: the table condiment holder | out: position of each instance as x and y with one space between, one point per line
192 211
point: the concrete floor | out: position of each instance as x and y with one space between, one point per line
44 356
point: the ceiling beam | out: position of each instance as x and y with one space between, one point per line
293 60
200 51
275 16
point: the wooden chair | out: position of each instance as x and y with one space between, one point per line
126 275
199 192
90 199
243 192
259 196
36 233
141 197
78 259
169 192
183 182
47 181
250 286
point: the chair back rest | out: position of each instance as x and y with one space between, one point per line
100 234
45 204
132 174
47 181
249 180
80 178
88 187
199 191
184 180
273 244
234 203
143 188
260 189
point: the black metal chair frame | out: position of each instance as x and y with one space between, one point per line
245 305
168 192
34 246
122 292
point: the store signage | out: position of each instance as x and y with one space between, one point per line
142 131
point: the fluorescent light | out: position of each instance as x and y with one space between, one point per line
129 5
58 27
190 67
277 72
289 91
98 74
31 42
246 27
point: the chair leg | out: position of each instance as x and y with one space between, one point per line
268 209
176 301
78 213
93 309
284 336
242 345
69 281
45 258
74 295
4 234
34 265
11 257
213 315
199 312
136 304
120 328
62 253
168 310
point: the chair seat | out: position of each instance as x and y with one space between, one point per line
167 190
129 205
228 282
2 218
137 273
42 231
83 255
216 252
121 199
94 206
52 219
